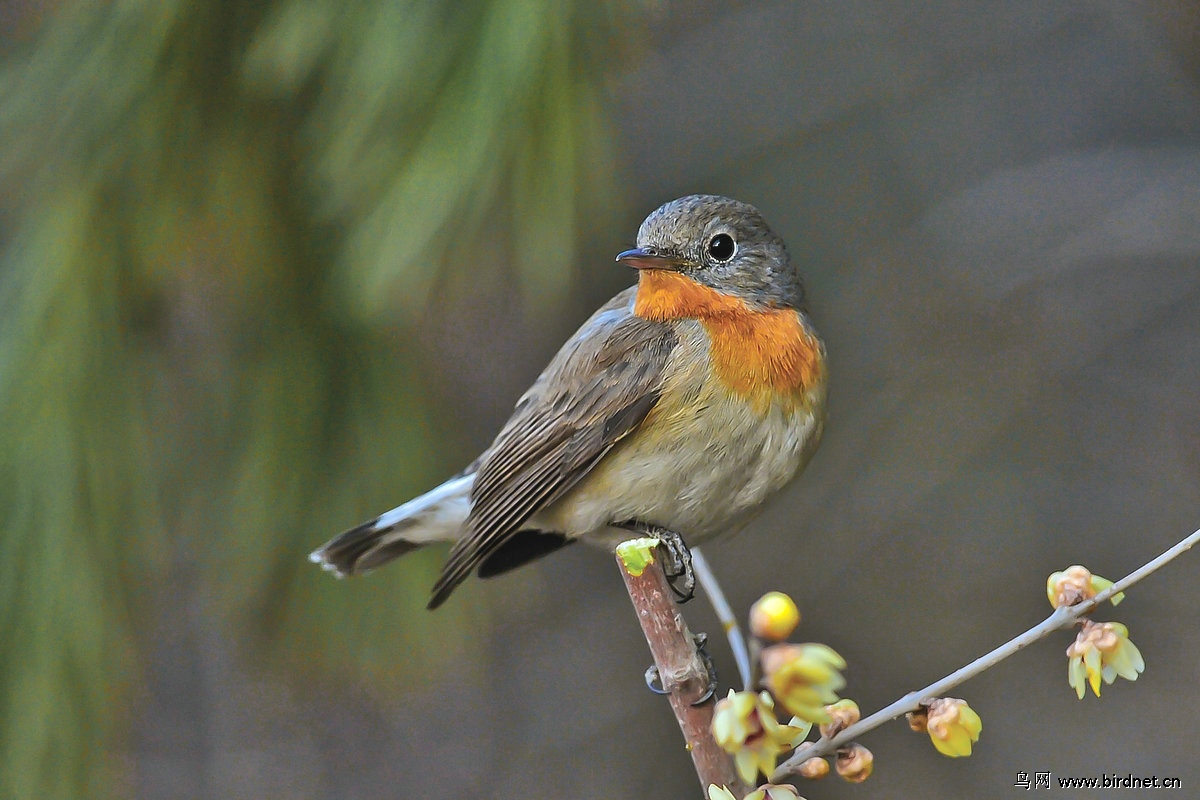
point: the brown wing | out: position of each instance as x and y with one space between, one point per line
596 391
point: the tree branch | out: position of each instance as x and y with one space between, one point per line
681 669
1062 617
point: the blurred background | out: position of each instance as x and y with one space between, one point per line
269 269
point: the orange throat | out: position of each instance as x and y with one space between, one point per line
764 355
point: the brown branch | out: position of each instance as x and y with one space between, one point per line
681 670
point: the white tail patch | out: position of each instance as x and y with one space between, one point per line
436 516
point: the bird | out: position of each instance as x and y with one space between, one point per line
680 406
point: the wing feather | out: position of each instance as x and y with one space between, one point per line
595 392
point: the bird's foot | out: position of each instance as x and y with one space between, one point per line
677 558
654 679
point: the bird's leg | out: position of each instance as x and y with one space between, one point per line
677 564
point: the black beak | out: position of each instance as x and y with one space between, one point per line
640 258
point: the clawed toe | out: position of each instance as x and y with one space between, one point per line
654 678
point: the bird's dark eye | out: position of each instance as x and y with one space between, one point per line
721 247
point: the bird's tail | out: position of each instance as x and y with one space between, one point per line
436 516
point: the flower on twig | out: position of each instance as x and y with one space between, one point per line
774 791
745 726
1075 584
1102 651
768 791
804 678
855 763
814 769
774 616
952 725
842 715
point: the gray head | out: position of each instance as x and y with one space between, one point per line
721 243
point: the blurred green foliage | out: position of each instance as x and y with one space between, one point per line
222 219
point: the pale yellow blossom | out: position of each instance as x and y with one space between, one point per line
804 678
1102 652
1075 584
952 725
744 725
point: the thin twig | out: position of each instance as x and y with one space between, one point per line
680 668
737 642
1061 618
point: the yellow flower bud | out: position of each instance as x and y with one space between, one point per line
842 715
855 763
952 725
774 616
814 769
1076 584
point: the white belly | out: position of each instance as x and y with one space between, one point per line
700 466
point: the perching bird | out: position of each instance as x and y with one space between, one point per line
681 404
